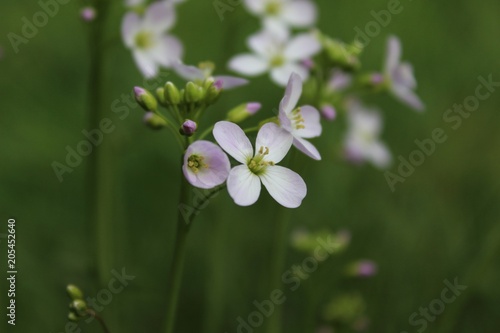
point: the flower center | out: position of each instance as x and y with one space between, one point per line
144 40
257 164
297 119
277 61
273 8
207 68
195 163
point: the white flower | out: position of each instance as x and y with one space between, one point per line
293 13
205 164
302 122
147 38
362 141
203 72
277 53
400 76
271 146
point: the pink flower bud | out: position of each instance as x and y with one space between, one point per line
189 127
88 14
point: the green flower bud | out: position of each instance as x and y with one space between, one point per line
242 112
79 307
72 316
74 292
345 56
194 93
160 95
172 95
145 99
154 121
213 92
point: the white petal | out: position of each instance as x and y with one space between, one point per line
307 148
264 44
281 75
312 123
407 96
256 6
284 185
233 140
379 155
243 186
187 72
131 24
404 75
292 93
229 82
300 13
248 64
277 28
393 54
301 47
159 16
276 139
146 64
168 50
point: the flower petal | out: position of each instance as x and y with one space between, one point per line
307 148
393 54
264 44
284 185
131 24
215 159
145 63
379 155
233 140
312 123
248 64
256 6
168 50
301 47
229 82
292 93
278 140
243 186
159 16
281 75
277 28
189 73
407 96
300 13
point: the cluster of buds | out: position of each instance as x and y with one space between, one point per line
78 308
340 54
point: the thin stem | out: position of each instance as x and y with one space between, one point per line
99 167
252 129
206 132
177 265
99 319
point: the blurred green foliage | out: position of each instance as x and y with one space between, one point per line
441 223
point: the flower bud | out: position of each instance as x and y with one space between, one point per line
154 121
72 316
188 128
345 56
328 112
362 268
79 307
213 92
171 93
145 99
194 93
375 81
160 95
88 14
74 292
243 111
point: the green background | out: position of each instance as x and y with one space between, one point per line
441 223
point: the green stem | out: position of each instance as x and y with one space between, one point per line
278 262
177 265
99 168
99 319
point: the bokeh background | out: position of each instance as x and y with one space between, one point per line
441 223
